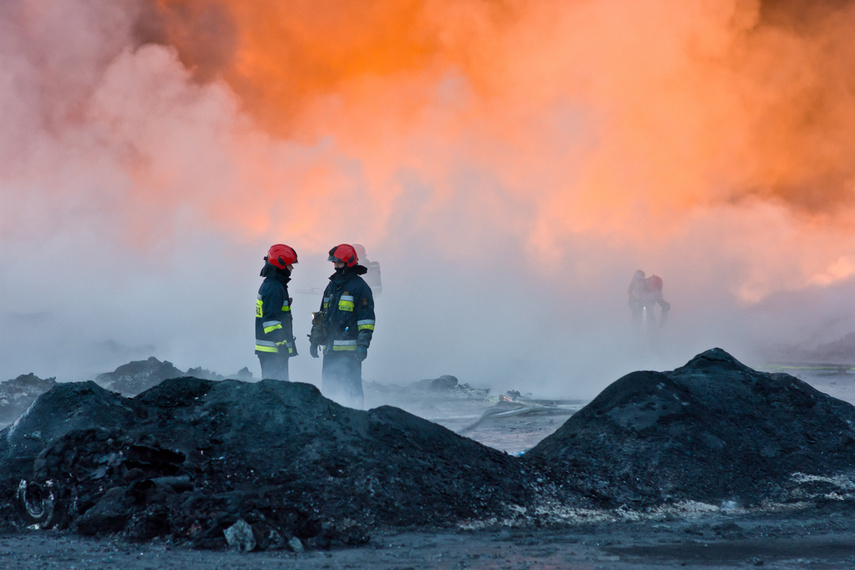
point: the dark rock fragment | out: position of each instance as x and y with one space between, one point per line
108 515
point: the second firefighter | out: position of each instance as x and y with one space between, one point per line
343 328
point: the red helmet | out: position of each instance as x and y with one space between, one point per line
654 282
281 255
345 253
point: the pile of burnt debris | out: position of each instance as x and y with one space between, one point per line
17 394
713 430
134 377
190 458
276 465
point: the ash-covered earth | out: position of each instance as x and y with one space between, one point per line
275 465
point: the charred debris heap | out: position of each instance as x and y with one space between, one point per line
276 465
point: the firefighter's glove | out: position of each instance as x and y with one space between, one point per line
318 334
361 353
313 350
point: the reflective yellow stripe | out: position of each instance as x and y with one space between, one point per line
259 307
365 325
341 345
345 303
267 330
262 348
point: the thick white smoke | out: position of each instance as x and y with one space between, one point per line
137 200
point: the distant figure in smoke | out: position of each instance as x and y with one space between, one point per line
343 328
372 277
644 295
274 341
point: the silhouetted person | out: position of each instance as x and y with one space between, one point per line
644 294
372 276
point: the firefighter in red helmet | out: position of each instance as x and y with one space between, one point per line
343 328
274 339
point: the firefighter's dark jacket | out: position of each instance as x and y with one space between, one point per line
348 312
273 321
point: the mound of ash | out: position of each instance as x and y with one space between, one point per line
134 377
276 465
139 375
190 459
17 394
128 379
713 430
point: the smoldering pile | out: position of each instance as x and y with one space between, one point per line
713 430
204 461
17 394
190 458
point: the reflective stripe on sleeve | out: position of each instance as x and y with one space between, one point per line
270 326
365 325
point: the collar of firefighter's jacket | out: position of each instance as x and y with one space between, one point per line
270 270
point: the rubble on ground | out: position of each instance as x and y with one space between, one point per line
713 430
17 394
199 372
137 376
134 377
514 404
276 465
443 387
189 458
430 398
129 379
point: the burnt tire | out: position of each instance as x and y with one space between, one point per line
36 502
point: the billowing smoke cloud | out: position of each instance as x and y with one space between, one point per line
509 163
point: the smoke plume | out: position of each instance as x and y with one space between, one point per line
509 163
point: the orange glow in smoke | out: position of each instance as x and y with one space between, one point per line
549 119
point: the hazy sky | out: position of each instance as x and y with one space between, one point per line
509 163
